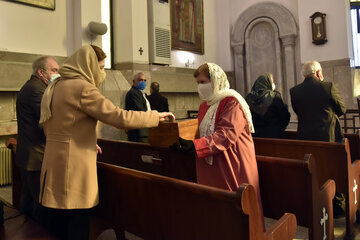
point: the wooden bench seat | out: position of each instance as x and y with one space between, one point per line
333 161
157 207
289 185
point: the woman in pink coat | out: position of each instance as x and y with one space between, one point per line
225 150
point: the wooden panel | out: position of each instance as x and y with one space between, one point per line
140 156
157 207
167 133
290 185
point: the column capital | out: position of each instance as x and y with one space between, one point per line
239 49
288 40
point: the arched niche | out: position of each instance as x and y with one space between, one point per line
264 39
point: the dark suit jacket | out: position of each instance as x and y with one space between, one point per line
318 105
158 102
135 101
31 138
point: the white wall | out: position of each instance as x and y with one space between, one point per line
337 27
130 31
34 30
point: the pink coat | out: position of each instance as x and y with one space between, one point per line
232 148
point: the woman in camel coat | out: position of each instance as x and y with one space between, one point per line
70 109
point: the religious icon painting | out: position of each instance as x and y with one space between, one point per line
187 25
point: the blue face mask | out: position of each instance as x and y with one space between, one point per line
141 85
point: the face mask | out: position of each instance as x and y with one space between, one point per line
141 85
53 77
205 91
103 76
273 86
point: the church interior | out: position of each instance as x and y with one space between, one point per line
245 38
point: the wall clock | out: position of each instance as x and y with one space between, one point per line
318 27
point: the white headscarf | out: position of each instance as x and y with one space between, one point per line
221 88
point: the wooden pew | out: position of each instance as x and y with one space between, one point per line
289 185
333 161
159 160
353 138
157 207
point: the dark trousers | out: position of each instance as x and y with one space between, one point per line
29 199
68 224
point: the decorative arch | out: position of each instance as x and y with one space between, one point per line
284 26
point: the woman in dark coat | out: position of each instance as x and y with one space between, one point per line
269 113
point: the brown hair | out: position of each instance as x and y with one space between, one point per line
202 69
99 53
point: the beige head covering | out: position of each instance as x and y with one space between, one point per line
83 64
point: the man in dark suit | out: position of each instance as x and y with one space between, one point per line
157 101
318 106
136 99
31 138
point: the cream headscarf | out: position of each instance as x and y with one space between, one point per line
83 64
221 88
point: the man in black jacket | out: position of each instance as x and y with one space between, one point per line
318 106
136 100
157 101
31 138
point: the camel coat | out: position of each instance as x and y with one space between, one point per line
68 175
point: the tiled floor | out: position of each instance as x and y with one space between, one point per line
301 233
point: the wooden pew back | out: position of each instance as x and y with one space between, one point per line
289 185
353 138
159 160
332 159
157 207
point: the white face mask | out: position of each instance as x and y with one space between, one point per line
53 77
273 86
205 91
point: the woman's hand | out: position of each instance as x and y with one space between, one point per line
163 116
98 149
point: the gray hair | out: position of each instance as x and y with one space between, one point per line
40 63
137 75
310 68
155 86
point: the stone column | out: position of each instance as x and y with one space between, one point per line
240 84
288 43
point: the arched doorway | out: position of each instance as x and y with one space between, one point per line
264 39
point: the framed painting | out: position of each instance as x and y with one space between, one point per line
187 25
47 4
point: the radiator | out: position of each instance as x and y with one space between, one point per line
5 166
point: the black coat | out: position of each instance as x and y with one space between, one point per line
158 102
31 138
318 106
135 101
273 123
